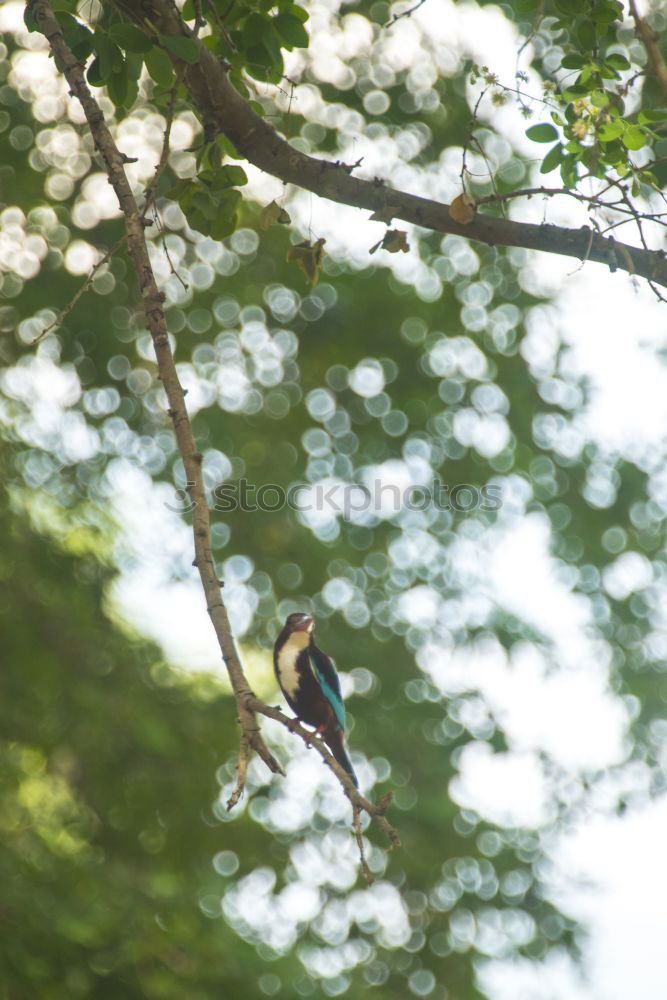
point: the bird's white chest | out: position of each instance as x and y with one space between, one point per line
287 657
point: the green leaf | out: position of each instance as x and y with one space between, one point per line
182 47
179 189
109 55
227 146
118 88
606 14
223 225
213 216
234 176
262 66
94 76
254 28
652 115
586 36
574 92
634 137
271 43
648 177
612 130
542 133
130 38
568 6
291 31
159 67
77 35
552 159
224 177
296 11
568 171
134 64
573 61
617 61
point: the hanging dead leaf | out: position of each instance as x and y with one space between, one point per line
385 214
309 257
273 213
462 209
395 240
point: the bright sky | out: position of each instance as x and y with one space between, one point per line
563 708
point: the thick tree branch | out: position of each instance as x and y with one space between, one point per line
224 110
114 162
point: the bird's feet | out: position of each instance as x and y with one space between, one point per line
311 736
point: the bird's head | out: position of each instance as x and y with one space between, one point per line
300 622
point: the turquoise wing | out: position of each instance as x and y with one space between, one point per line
327 678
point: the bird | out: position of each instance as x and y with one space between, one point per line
308 679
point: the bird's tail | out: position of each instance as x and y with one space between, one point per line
336 743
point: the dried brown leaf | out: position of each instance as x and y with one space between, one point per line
272 213
462 209
309 257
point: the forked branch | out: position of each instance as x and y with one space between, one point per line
247 705
223 110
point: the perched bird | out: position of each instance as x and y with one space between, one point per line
309 681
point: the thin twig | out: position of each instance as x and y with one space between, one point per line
376 810
405 13
163 234
535 27
151 190
469 138
241 772
200 20
84 287
356 825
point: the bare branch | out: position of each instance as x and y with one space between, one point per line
241 772
405 13
66 310
376 810
356 825
151 190
114 162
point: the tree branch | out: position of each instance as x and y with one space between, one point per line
114 162
246 703
224 110
644 31
376 810
66 310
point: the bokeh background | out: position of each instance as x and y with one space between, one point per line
503 670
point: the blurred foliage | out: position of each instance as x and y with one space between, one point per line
124 875
108 777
